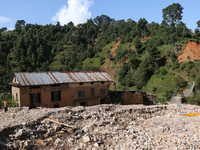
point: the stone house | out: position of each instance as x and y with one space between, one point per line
130 97
57 89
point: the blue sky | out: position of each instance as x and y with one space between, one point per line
78 11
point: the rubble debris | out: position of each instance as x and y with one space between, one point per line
60 123
105 126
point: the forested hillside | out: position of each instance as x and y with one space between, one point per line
146 56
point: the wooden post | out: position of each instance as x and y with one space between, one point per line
61 123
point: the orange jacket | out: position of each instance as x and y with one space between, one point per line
5 103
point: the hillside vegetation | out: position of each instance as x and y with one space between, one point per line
139 54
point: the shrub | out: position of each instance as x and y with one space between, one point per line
161 72
180 82
154 89
8 96
168 94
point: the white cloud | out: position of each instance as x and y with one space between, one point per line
4 19
10 29
77 12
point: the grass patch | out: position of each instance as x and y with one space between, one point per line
94 62
165 48
162 84
99 58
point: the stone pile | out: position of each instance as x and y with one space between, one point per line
106 126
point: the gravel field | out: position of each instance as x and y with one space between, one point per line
109 126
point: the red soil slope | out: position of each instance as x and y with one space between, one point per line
112 51
192 49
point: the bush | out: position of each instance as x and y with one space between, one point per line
168 94
154 89
180 82
161 100
175 65
182 66
8 96
102 60
195 100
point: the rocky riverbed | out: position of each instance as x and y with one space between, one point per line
109 127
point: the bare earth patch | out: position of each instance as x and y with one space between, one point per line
191 52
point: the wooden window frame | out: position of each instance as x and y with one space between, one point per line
55 98
102 91
92 92
81 93
33 99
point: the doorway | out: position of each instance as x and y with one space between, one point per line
83 103
103 101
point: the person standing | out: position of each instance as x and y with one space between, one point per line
5 103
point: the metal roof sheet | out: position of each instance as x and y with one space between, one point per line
45 78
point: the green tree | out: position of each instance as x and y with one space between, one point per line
122 54
103 19
138 45
186 32
173 13
3 29
133 61
179 82
197 84
19 24
179 29
122 73
142 26
197 32
198 23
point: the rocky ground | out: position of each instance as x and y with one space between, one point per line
109 127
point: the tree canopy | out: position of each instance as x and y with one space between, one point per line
173 13
136 51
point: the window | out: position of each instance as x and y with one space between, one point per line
81 93
17 96
35 98
81 83
56 96
92 91
102 91
92 82
102 82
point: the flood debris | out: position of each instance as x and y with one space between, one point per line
60 123
106 126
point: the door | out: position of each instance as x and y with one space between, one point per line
31 101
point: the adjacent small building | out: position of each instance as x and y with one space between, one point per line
130 97
57 89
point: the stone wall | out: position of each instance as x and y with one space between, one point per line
132 97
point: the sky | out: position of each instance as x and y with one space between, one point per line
45 12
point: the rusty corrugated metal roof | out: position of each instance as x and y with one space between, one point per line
45 78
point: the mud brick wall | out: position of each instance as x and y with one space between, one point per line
132 97
69 94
